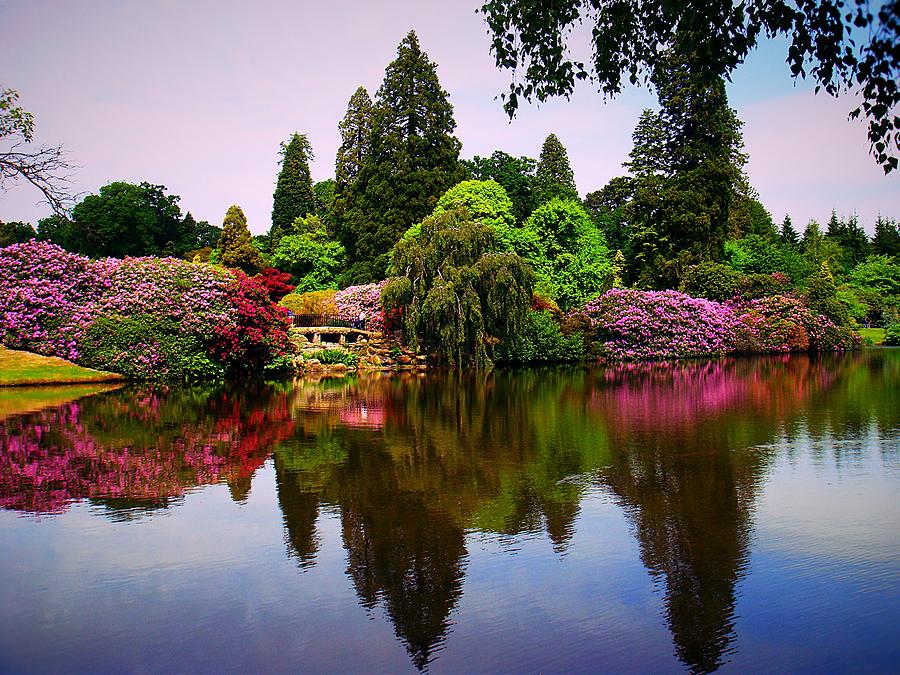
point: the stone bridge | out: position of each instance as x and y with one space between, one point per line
333 334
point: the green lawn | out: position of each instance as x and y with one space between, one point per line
876 335
20 368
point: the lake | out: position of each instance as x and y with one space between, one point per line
739 514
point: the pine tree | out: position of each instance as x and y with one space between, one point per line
294 196
356 134
688 163
414 159
554 176
887 238
236 247
788 235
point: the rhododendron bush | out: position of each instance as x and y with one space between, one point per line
145 317
357 301
633 325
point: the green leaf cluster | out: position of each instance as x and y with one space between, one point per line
307 252
456 293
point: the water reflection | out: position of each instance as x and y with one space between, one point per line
413 465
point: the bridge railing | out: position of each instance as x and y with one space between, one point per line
334 320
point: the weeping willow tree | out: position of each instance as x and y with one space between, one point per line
456 293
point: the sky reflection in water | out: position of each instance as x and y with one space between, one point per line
741 513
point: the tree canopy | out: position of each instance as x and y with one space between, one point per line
456 293
414 159
840 44
554 176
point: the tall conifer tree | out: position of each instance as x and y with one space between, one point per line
554 176
414 159
356 139
236 247
788 235
294 196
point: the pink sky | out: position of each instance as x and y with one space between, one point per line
197 95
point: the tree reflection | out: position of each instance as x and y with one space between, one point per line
412 464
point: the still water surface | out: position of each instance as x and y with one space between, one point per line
741 515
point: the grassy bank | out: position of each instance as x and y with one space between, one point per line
876 335
21 400
21 368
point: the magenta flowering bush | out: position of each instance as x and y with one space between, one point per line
633 325
645 325
355 301
144 317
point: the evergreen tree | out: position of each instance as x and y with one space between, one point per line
554 177
294 196
15 233
236 247
356 141
688 168
414 159
849 235
887 238
788 235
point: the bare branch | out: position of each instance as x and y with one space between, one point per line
46 168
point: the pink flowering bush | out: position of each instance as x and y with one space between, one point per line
644 325
354 301
144 317
630 325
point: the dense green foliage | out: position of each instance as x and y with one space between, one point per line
235 247
713 281
307 252
456 293
632 42
515 174
124 220
414 159
294 196
569 256
756 255
540 340
15 233
554 177
886 240
687 164
356 139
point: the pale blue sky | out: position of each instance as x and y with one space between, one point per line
197 95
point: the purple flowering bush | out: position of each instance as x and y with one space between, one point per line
144 317
354 301
629 325
645 325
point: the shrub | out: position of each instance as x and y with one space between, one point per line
362 301
50 301
145 346
276 283
638 325
540 340
774 324
713 281
331 356
314 302
892 335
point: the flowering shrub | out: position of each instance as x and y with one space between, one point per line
646 325
355 301
145 317
276 282
641 325
41 287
